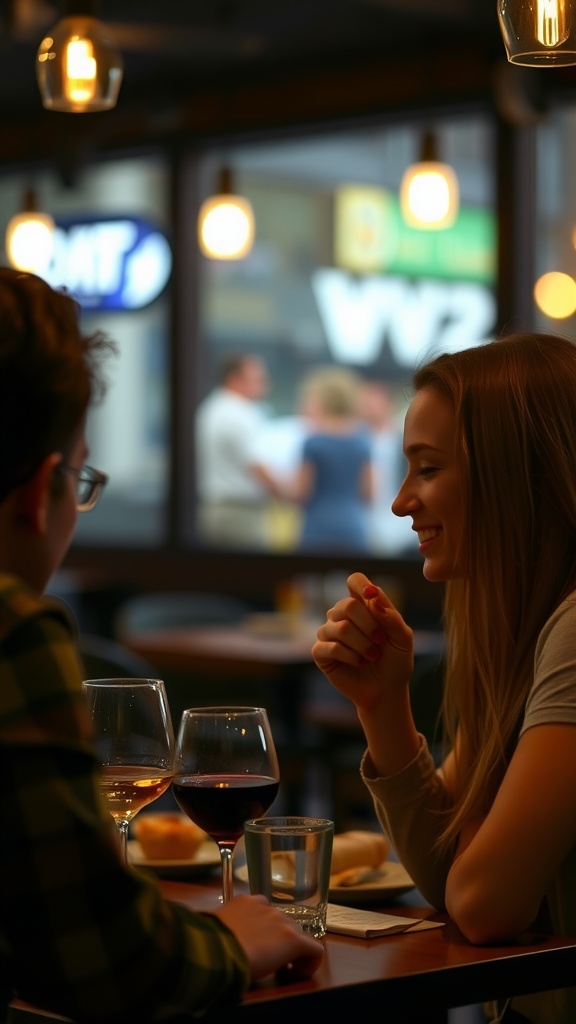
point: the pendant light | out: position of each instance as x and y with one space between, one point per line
429 192
30 237
77 68
226 222
538 33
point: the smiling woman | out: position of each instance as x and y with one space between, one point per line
491 490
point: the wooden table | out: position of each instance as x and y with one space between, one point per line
398 979
236 650
401 979
238 653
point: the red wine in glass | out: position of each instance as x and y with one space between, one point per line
226 772
220 804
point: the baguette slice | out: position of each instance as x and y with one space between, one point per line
358 849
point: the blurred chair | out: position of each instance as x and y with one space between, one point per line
162 610
105 659
177 609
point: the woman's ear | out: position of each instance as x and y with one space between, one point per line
33 497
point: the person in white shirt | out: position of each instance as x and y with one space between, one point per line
234 487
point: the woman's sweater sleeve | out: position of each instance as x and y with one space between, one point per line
410 806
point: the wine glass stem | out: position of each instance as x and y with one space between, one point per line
122 827
226 854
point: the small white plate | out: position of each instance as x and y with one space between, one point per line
386 882
206 858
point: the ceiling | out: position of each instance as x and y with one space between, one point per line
271 59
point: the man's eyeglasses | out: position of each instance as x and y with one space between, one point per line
91 483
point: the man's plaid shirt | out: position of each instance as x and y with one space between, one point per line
80 934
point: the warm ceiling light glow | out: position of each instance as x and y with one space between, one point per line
429 192
550 22
429 196
555 295
29 241
539 33
226 223
77 68
80 81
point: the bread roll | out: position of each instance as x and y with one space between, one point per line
358 849
167 836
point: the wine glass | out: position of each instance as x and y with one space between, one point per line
226 771
135 741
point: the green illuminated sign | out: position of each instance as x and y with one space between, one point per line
371 236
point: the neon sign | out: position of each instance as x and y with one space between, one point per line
110 263
360 314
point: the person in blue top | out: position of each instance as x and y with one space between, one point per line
334 482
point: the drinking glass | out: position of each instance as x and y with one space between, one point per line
226 771
135 741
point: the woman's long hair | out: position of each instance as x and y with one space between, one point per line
515 406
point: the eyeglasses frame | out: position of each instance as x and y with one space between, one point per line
87 475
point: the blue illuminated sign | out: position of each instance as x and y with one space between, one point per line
110 263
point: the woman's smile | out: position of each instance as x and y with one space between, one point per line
432 490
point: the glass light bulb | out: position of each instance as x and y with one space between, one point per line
77 68
30 242
538 33
226 227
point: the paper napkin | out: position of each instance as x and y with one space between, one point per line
367 924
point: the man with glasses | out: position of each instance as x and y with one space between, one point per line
81 934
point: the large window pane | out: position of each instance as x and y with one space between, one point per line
104 262
554 256
335 279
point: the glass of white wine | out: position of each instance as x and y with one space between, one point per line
134 738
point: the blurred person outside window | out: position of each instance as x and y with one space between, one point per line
234 486
334 481
387 533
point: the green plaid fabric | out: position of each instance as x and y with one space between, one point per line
79 933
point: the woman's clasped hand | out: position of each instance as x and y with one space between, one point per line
365 631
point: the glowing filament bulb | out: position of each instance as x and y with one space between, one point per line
550 22
429 195
30 241
226 227
80 70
